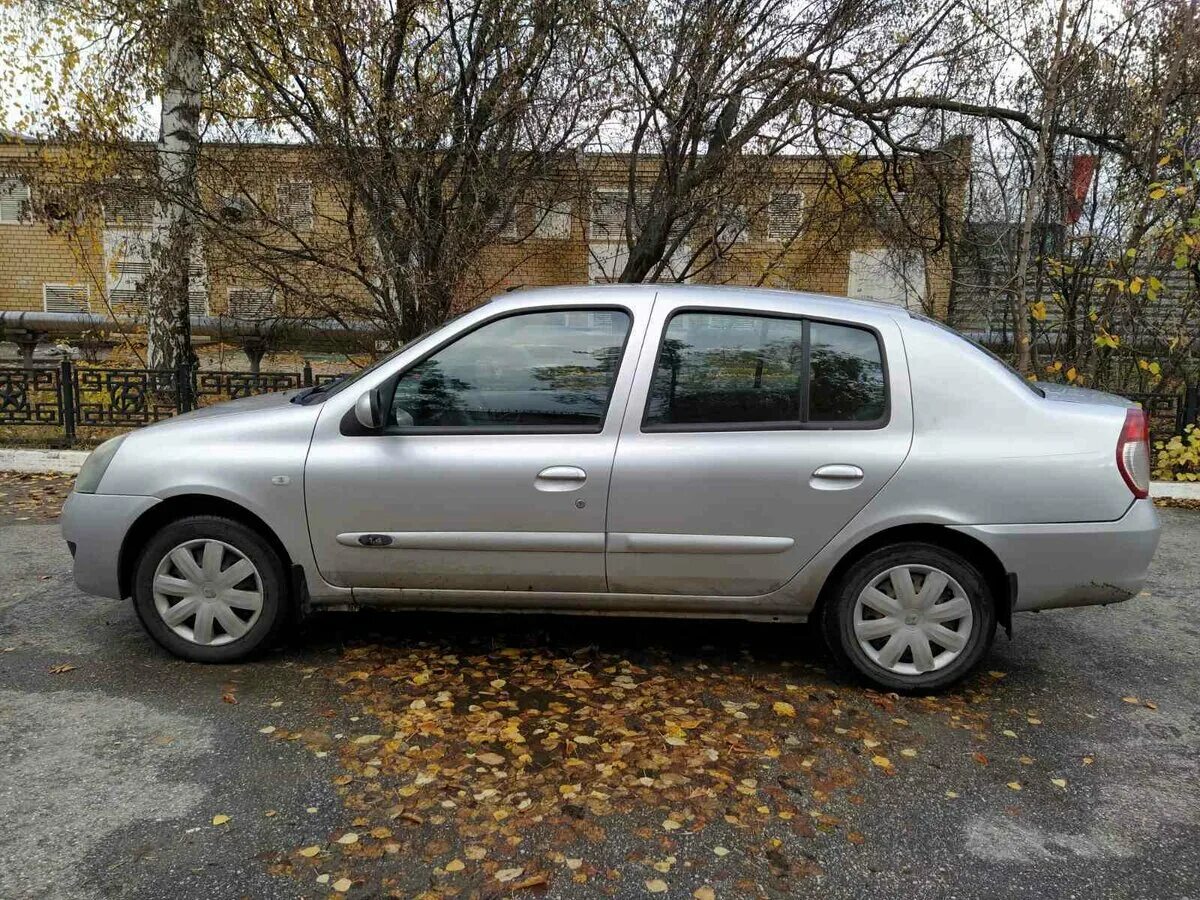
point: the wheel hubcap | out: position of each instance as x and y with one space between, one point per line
913 619
208 592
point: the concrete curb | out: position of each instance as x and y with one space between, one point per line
69 461
66 462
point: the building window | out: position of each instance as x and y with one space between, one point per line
126 206
294 205
785 216
252 303
504 224
889 276
607 221
554 223
127 255
608 249
65 298
14 201
733 226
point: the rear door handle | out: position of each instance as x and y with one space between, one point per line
839 472
560 478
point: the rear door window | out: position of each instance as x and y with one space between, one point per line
743 371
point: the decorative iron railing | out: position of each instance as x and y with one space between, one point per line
31 396
71 396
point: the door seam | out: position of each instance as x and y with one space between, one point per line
612 470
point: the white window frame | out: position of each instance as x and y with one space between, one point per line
733 226
85 288
894 276
607 253
506 231
143 204
16 201
604 236
785 232
126 275
554 222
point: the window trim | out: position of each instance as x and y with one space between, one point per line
802 424
389 386
25 216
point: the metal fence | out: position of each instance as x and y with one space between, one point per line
70 397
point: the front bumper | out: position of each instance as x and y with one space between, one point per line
1076 563
95 526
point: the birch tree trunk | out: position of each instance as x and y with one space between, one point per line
169 333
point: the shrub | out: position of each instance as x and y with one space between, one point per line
1179 458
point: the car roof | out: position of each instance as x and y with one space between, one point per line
827 304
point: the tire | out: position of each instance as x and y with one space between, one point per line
216 594
864 637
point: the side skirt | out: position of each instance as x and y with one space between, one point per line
764 608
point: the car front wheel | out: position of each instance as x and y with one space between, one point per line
911 617
210 589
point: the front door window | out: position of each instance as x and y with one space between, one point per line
549 370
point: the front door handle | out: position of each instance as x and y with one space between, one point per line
839 472
560 478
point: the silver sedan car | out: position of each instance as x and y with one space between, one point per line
638 450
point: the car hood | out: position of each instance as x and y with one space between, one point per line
1070 394
246 405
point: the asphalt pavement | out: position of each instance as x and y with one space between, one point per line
1069 766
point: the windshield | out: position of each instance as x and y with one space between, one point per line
982 349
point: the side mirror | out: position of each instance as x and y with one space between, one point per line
368 410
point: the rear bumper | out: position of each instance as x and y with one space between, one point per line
1078 563
95 526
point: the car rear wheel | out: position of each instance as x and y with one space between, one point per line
210 589
911 617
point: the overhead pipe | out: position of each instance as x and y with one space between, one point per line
29 328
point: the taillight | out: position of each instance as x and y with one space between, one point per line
1133 453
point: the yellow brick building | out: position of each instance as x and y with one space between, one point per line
66 247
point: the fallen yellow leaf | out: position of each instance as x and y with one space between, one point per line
220 819
455 865
882 761
656 886
348 838
342 885
1015 785
1059 782
704 893
506 875
783 708
310 852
